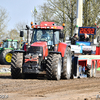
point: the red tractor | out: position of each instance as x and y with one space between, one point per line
43 53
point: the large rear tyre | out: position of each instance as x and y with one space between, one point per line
78 73
89 72
16 65
5 57
53 66
67 67
95 69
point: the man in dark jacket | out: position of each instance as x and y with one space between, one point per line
74 39
86 38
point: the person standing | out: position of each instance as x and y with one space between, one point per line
74 39
86 37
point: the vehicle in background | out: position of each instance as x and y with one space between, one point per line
44 54
5 51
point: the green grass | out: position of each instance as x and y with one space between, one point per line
5 73
98 69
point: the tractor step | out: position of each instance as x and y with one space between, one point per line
81 76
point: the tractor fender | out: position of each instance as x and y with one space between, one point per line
54 52
62 48
20 51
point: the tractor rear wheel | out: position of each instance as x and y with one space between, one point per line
16 65
77 72
5 57
95 69
67 67
53 66
89 72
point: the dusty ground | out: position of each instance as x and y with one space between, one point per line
42 89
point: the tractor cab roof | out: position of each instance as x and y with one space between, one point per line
47 25
9 40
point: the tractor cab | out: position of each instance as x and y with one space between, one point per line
51 36
84 45
45 32
9 43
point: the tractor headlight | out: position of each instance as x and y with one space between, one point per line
40 55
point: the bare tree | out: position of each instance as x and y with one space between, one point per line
45 13
91 13
21 26
3 21
64 11
13 34
60 11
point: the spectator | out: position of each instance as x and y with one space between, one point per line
74 39
86 37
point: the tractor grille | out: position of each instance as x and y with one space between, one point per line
31 63
35 50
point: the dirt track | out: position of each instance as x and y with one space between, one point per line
42 89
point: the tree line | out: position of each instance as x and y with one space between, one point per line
64 11
59 11
13 33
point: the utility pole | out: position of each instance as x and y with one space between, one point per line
64 20
71 17
79 15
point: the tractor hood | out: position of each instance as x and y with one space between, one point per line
1 49
42 45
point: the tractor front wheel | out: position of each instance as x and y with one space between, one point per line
95 69
16 65
5 57
67 67
89 72
53 66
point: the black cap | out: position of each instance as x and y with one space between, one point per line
75 34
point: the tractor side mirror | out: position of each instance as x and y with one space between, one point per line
27 27
21 44
21 33
61 35
98 39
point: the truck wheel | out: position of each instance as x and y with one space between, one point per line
49 66
16 65
5 57
67 67
94 69
53 66
78 73
89 72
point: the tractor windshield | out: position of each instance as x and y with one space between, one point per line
10 44
5 44
14 44
43 35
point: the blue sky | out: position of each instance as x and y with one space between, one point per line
20 10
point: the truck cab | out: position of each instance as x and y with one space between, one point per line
82 46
